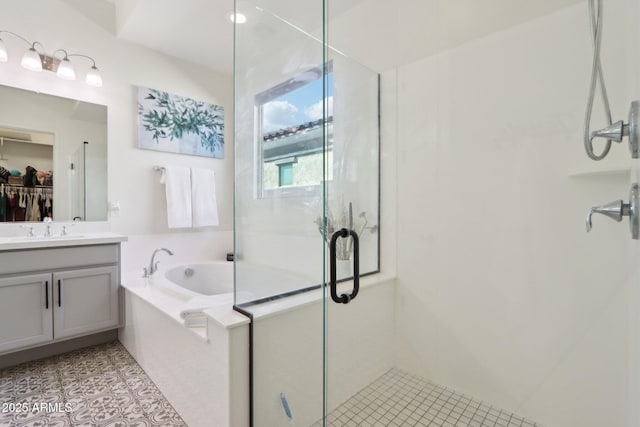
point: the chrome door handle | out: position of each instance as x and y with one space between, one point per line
618 209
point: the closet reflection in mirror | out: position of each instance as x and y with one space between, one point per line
53 158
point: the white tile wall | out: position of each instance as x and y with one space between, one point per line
501 293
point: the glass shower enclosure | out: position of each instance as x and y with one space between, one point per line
487 301
306 201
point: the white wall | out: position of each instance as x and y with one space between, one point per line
501 293
633 296
124 66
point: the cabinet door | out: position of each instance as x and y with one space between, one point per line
25 311
85 301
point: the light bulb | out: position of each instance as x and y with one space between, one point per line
31 60
93 77
237 17
3 52
65 70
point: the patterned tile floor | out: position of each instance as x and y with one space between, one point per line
401 399
96 386
103 386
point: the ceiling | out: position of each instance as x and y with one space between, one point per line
196 31
378 33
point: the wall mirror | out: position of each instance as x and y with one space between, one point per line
53 158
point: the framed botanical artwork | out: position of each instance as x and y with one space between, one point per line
176 124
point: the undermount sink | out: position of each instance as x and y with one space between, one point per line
43 238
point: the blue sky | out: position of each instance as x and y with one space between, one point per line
299 106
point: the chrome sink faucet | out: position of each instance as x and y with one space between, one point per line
48 222
153 265
30 233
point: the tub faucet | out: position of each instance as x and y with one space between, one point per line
153 265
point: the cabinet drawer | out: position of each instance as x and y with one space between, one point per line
55 259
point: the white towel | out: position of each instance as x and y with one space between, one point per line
195 320
178 190
197 304
203 197
193 315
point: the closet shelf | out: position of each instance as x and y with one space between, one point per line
24 186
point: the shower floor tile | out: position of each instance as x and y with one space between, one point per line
95 386
401 399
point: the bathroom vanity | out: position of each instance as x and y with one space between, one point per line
56 288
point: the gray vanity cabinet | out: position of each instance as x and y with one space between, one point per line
66 292
85 301
25 311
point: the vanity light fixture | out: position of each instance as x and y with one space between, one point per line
35 60
31 60
65 69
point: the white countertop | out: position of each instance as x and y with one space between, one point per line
23 242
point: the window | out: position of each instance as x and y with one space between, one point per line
293 121
286 174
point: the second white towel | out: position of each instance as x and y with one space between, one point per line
203 197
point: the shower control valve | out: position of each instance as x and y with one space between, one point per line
617 209
618 130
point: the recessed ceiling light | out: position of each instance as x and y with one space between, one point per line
237 17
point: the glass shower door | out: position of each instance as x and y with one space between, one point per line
280 156
306 208
358 316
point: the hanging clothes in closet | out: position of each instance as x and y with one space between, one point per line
19 203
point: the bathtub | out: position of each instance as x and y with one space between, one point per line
192 367
204 372
188 281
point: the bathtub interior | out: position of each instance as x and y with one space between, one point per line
203 279
214 281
